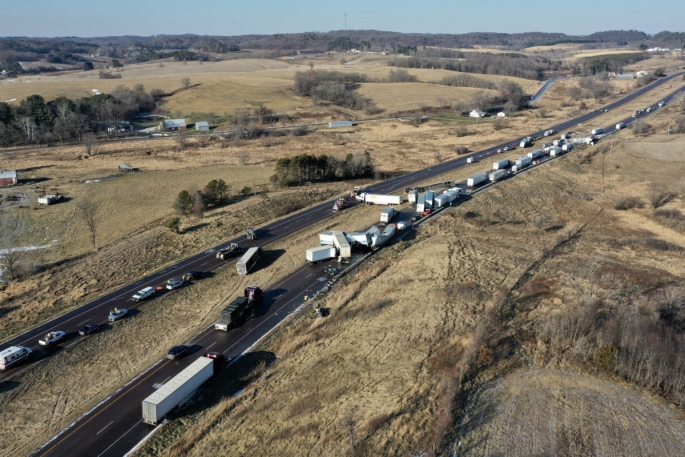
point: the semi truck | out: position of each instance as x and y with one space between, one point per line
597 131
434 186
320 253
497 175
567 147
442 200
583 140
556 152
231 250
535 154
379 199
412 195
430 197
523 161
177 391
342 203
248 260
501 164
421 203
340 242
476 180
387 214
238 308
620 125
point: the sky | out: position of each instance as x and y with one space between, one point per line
89 18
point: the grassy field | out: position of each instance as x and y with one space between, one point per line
377 377
394 97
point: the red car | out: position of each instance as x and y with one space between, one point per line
427 211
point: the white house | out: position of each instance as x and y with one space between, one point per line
202 126
477 113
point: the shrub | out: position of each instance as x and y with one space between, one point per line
669 213
627 203
660 197
461 150
460 131
174 224
641 127
401 76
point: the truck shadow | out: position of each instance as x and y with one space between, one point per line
228 382
266 302
267 259
6 386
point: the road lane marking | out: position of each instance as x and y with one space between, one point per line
203 264
207 348
310 274
134 426
104 428
81 323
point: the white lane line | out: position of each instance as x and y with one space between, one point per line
211 345
310 274
104 428
81 323
203 264
162 383
134 426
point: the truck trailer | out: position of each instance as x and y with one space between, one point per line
535 154
421 204
387 214
501 164
238 308
248 260
497 175
442 200
522 162
430 199
177 391
320 253
597 131
567 147
379 199
476 180
412 195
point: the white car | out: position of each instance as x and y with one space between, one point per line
174 284
52 338
144 293
117 314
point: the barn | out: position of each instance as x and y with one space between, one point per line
173 124
8 178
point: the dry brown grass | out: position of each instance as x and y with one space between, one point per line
395 97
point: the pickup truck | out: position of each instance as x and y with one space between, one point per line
144 293
52 338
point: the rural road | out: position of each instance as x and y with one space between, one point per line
114 427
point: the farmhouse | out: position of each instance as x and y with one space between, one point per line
173 124
202 126
8 178
477 113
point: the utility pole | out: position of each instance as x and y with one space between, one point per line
345 20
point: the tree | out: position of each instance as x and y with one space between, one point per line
243 156
575 92
659 72
87 66
91 145
174 224
640 127
245 191
198 205
86 212
183 202
63 125
185 82
116 63
216 191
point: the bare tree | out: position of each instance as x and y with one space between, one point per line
198 204
90 142
660 196
437 156
243 157
86 212
185 82
680 100
311 65
181 140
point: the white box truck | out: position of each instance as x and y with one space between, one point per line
556 152
177 391
497 175
522 162
14 355
378 199
247 261
535 154
597 131
476 180
501 164
452 195
567 147
412 195
620 125
321 253
387 214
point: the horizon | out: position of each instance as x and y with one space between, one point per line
81 19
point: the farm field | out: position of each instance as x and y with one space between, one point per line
378 376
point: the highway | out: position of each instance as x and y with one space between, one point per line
114 426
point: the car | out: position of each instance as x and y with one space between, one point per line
144 293
546 133
662 103
330 270
177 352
174 284
506 148
214 355
193 275
220 360
88 329
427 211
52 338
116 314
648 109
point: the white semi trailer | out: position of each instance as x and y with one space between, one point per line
476 180
379 199
320 253
497 175
177 391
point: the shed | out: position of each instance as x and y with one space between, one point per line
501 114
8 178
126 168
173 124
477 113
202 126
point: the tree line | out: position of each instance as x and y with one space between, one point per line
335 87
34 120
303 168
215 193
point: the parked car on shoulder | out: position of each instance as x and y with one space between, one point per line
174 284
193 275
52 338
88 329
177 352
116 314
144 293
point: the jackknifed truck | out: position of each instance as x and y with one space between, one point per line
177 391
387 214
321 253
248 260
238 308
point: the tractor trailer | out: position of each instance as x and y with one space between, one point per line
379 199
321 253
476 180
497 175
248 261
387 214
501 164
238 308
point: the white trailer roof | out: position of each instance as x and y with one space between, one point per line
179 380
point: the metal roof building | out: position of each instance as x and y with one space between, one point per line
173 124
8 178
203 126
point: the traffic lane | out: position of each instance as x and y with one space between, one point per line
109 431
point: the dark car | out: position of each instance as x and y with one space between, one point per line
193 275
177 352
88 329
330 270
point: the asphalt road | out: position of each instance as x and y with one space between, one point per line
114 427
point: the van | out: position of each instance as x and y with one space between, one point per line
13 355
144 293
